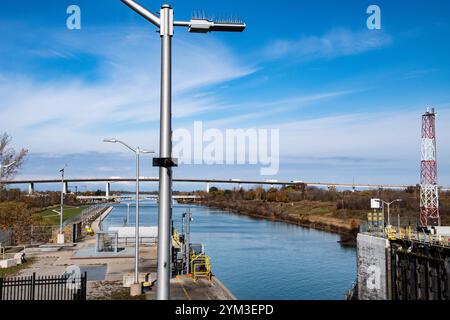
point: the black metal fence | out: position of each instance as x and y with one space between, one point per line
61 287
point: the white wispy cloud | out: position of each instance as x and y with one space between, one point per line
372 135
266 109
74 112
335 43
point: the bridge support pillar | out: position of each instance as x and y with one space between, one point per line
66 187
108 189
30 188
207 187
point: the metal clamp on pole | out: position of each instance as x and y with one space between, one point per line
165 162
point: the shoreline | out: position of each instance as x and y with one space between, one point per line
346 231
97 223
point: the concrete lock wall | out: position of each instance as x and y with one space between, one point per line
372 267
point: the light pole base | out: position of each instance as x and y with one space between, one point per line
135 289
60 238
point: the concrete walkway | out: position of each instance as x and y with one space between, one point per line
109 272
185 288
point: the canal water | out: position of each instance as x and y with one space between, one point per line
260 259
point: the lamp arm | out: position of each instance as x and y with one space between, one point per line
143 12
126 145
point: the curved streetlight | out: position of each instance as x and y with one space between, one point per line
165 22
388 205
137 151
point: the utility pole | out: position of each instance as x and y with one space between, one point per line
165 22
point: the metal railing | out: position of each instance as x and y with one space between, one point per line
59 287
87 215
200 266
408 233
41 234
142 240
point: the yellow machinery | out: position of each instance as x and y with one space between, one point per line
409 232
176 238
199 262
200 266
390 233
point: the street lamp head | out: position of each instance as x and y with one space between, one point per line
62 169
146 151
203 25
110 140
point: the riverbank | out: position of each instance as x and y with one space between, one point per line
50 216
310 214
97 224
257 258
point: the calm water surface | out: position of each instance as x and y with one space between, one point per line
259 259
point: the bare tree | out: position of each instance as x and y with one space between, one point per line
9 155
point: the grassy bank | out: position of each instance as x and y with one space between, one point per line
52 218
311 214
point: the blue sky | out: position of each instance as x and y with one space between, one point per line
347 100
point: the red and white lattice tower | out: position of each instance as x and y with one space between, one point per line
429 199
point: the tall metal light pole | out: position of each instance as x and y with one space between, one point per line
137 151
388 205
165 162
60 239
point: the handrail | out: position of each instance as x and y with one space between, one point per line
201 266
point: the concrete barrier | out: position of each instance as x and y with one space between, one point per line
8 263
128 278
373 267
